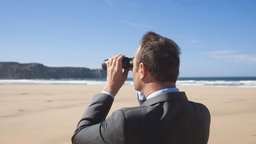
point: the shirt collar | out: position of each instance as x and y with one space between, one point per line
159 92
141 97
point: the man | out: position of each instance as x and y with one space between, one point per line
165 115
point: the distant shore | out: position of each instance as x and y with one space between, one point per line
48 114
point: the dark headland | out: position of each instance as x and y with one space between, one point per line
15 70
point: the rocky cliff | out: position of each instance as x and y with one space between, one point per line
14 70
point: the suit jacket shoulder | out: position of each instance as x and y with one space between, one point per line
168 118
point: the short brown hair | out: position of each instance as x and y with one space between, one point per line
161 56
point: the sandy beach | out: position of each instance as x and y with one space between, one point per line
48 114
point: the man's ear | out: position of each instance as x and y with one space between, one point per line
142 71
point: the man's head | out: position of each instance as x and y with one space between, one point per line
160 56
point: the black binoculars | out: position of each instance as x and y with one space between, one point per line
126 63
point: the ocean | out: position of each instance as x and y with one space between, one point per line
182 81
218 81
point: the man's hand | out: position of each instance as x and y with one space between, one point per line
115 75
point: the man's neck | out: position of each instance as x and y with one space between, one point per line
153 87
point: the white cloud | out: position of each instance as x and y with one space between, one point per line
139 25
110 2
118 2
188 42
232 56
135 24
194 41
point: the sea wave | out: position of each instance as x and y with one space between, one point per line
57 82
217 83
211 83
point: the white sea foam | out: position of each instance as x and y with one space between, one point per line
58 82
217 83
212 83
87 82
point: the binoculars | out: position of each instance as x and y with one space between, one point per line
126 63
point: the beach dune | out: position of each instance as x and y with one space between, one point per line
48 114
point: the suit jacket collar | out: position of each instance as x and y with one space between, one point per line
172 96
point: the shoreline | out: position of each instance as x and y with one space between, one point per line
183 81
48 114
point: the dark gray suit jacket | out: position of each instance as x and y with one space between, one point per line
165 119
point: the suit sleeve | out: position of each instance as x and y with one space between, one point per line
94 128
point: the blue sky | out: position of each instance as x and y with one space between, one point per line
217 37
